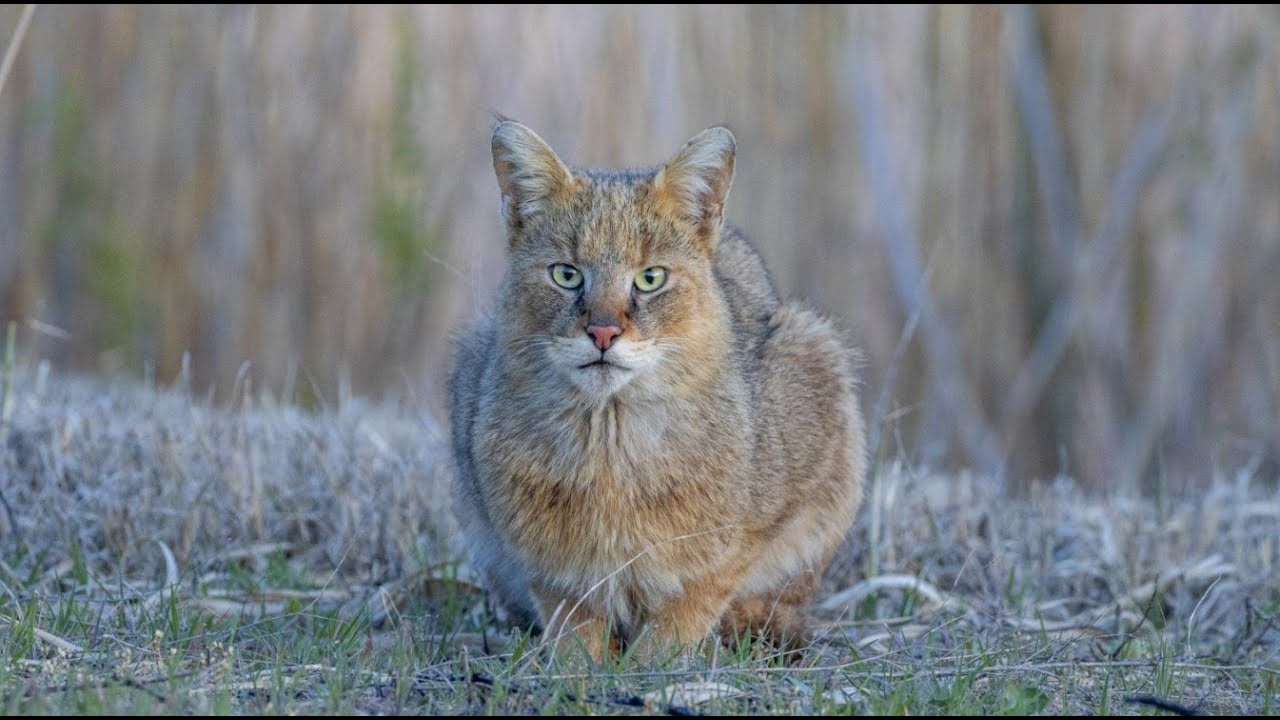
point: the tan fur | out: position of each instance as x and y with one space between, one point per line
701 480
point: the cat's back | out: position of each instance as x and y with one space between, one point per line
809 456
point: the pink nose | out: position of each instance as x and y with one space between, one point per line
604 335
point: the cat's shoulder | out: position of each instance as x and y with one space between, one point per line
745 283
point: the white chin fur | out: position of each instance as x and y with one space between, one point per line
627 360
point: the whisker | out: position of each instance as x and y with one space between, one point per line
525 341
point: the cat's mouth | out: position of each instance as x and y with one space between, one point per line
602 363
597 373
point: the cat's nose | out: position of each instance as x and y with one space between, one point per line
603 335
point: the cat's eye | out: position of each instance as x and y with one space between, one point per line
566 276
651 279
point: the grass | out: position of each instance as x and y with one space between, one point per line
164 556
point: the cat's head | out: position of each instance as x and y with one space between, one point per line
610 278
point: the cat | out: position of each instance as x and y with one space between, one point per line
649 441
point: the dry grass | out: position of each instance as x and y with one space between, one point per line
108 470
162 555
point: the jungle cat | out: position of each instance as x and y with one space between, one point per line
649 441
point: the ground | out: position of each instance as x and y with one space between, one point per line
163 553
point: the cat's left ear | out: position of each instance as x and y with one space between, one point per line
694 185
530 174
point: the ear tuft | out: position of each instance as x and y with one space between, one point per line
696 182
530 174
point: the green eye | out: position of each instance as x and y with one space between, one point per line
566 276
651 279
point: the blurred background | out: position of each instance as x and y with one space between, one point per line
1055 232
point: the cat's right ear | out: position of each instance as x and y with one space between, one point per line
530 174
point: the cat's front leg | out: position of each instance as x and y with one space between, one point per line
571 627
683 621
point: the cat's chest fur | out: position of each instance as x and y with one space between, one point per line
605 492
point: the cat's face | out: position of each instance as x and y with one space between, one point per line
610 280
608 289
